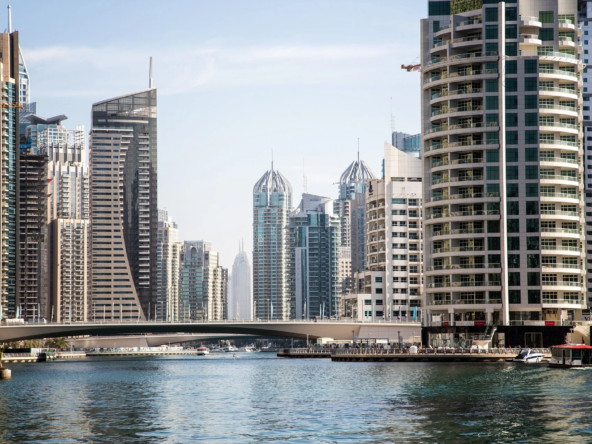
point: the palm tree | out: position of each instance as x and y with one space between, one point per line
57 343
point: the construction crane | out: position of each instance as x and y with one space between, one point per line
12 105
414 66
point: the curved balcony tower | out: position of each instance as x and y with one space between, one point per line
502 164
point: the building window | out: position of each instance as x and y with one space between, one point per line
546 34
511 154
531 67
513 243
513 225
511 102
512 190
531 137
531 102
515 297
514 278
511 84
511 120
512 172
491 102
546 16
531 171
491 15
513 261
491 86
491 32
531 119
511 67
511 137
377 279
367 301
534 296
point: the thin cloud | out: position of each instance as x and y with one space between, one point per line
210 65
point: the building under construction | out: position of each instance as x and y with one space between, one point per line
32 262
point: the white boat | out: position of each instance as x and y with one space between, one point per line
528 356
230 348
571 355
216 350
202 351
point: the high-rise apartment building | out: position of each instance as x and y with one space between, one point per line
503 196
32 297
316 237
410 144
350 207
168 260
123 166
272 203
10 140
240 305
390 287
203 283
585 24
64 191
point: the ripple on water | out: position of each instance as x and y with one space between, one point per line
263 399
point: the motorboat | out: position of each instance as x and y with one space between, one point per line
571 355
529 356
216 350
202 351
230 348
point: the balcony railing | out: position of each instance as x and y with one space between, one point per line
465 302
557 71
461 267
456 57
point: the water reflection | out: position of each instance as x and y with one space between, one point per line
258 399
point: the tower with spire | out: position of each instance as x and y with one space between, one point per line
351 209
272 203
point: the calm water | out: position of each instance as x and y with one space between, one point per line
260 398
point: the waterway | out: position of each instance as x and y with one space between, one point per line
260 398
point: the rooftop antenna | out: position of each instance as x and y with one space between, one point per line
9 20
304 180
392 118
358 150
272 159
150 79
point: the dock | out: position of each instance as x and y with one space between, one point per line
303 353
131 353
458 355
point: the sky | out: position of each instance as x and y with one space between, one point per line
237 80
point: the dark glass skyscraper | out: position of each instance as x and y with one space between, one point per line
124 198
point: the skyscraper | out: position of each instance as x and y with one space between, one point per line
272 203
504 213
240 306
63 253
32 297
390 286
350 207
585 22
9 139
316 235
202 283
169 260
123 164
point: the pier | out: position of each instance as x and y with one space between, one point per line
303 353
425 355
137 353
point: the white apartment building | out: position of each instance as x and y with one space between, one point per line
502 147
168 258
390 288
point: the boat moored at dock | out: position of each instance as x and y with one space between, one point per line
571 355
529 356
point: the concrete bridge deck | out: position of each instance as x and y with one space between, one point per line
336 329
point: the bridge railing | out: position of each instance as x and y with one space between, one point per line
205 321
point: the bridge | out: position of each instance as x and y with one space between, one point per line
336 329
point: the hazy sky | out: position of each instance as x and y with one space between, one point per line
236 80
